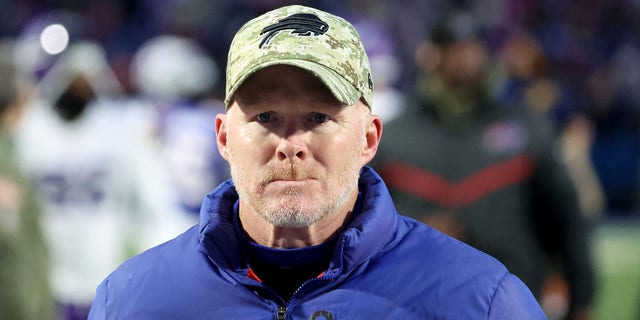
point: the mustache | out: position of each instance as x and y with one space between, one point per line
290 172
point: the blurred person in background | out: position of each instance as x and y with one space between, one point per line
75 144
24 283
386 68
484 173
175 78
524 76
612 108
524 81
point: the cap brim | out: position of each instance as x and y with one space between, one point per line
339 86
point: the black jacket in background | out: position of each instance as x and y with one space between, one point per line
494 181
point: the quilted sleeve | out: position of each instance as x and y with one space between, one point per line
513 300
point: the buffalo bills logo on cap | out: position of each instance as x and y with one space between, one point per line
301 24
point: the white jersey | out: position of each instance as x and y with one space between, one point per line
186 159
86 174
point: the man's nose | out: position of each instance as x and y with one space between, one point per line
292 146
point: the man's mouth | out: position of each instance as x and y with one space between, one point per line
288 181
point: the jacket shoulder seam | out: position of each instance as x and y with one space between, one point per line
495 293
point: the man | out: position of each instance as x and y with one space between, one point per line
484 173
304 230
75 143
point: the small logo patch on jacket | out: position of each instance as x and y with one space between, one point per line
321 315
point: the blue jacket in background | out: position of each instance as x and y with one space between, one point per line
385 266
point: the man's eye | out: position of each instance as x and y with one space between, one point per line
319 118
264 117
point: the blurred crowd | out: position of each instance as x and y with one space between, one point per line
571 59
111 121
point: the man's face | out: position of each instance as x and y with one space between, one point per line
463 63
295 152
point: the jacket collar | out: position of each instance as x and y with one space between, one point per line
371 229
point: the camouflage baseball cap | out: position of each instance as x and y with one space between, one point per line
324 44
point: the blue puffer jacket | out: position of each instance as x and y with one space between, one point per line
384 267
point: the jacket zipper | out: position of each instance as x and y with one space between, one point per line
282 310
282 313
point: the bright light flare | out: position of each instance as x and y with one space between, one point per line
54 39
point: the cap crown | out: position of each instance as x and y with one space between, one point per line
322 43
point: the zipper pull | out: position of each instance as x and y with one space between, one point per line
282 313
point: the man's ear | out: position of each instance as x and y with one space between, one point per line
221 135
373 134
